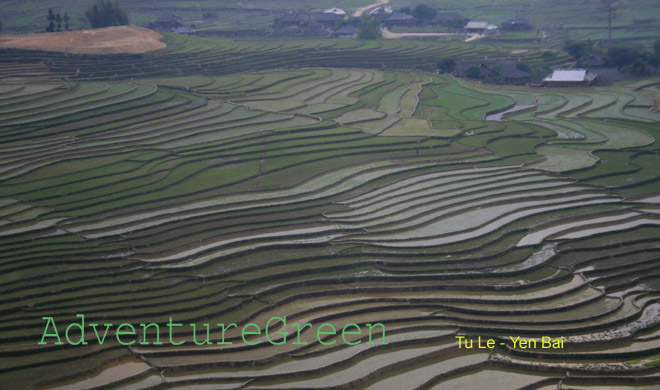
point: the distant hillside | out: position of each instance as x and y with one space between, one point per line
551 22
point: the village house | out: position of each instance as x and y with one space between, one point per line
569 78
474 27
505 72
328 19
381 12
335 11
594 61
166 23
398 19
346 32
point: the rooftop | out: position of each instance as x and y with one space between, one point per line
346 30
336 11
399 16
567 75
381 11
328 17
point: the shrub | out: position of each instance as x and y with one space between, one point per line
473 72
446 65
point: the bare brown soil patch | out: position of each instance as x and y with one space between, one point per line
109 40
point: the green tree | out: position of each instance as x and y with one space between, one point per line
66 21
446 65
549 55
524 67
578 49
369 28
51 20
58 20
473 72
625 55
423 14
638 68
104 13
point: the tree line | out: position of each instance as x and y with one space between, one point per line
101 13
631 59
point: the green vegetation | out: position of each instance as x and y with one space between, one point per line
369 28
473 72
423 14
447 65
105 13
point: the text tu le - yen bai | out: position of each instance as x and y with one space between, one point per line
545 343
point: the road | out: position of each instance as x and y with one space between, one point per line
359 11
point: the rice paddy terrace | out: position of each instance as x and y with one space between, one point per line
194 189
191 55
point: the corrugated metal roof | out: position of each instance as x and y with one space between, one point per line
567 75
477 25
336 11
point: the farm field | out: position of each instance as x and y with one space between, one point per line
234 181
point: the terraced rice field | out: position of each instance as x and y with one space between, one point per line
349 195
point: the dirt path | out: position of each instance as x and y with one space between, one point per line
472 37
390 35
359 11
109 40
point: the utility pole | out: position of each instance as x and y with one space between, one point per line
609 5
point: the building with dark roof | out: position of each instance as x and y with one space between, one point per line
609 73
166 23
346 32
328 20
506 72
398 18
292 19
596 60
